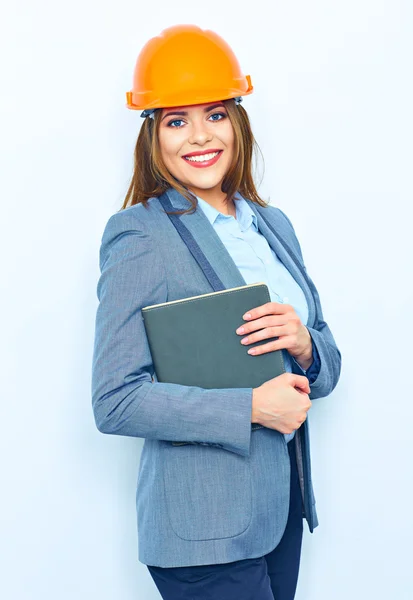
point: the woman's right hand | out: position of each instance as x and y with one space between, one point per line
278 404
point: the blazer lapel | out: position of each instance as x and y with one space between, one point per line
219 258
286 255
208 241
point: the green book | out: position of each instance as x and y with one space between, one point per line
193 340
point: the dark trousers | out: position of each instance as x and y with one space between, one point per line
269 577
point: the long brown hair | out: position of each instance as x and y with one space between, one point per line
151 178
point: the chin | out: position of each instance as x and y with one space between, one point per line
205 181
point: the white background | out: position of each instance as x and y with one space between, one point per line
332 113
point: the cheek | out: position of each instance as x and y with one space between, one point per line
228 138
170 149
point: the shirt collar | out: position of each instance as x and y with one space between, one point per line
245 214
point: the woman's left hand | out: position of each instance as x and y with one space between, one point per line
277 320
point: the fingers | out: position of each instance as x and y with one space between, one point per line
301 382
295 381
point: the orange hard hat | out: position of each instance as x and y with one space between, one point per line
185 65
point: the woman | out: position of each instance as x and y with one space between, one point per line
220 516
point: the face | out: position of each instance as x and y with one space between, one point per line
197 144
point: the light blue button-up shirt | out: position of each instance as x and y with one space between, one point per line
257 261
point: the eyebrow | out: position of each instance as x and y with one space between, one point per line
184 113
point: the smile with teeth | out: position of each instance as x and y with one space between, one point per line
201 158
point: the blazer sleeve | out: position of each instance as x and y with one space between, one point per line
125 400
326 369
312 372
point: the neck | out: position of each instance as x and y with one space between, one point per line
216 200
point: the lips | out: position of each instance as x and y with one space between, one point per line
201 164
201 152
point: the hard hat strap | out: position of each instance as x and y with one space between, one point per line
148 112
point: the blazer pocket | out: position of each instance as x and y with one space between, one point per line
208 491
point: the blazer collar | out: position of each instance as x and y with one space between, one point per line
219 257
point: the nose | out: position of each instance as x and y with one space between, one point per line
200 133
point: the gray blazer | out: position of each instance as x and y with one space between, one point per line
226 496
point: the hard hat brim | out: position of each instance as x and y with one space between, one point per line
140 101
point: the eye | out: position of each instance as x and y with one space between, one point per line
218 114
221 114
174 121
